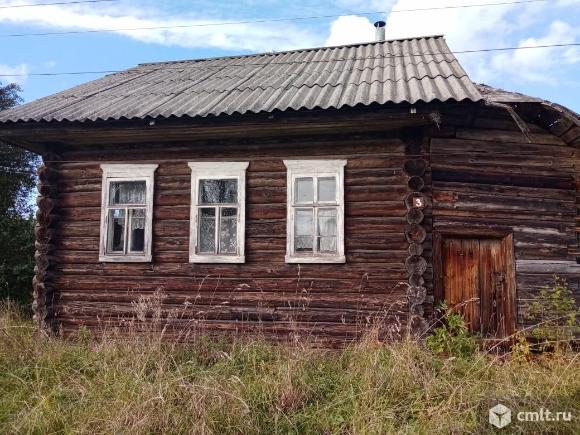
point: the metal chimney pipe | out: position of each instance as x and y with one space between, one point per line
380 30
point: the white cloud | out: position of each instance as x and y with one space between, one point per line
13 74
253 37
350 30
471 29
539 65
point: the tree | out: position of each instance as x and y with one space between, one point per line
17 182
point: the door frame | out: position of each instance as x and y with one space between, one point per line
507 247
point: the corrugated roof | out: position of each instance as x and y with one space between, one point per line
398 71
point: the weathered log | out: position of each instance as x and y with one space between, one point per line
416 264
415 233
415 249
415 216
416 183
415 167
415 200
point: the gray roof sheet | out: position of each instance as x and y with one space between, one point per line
398 71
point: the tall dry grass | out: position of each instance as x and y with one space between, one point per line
144 385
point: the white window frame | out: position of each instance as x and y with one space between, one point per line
217 171
127 172
316 169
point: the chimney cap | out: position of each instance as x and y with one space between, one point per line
379 24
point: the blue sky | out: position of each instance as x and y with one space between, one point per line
551 73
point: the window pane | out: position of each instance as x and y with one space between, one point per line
327 244
327 222
327 227
327 189
207 230
127 192
116 242
304 230
218 191
137 228
304 190
228 231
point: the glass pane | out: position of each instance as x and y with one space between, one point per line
327 244
228 231
218 191
207 230
304 190
127 192
137 228
327 230
327 222
303 243
304 229
116 242
327 189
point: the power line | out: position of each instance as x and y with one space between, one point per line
481 50
258 21
467 6
30 5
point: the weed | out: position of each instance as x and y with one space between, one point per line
452 337
555 314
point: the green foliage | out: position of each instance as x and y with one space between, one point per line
97 383
10 96
16 258
453 336
555 314
17 182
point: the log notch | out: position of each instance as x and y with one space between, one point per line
415 167
43 285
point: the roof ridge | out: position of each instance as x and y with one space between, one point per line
297 50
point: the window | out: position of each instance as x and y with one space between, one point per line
126 212
218 212
315 217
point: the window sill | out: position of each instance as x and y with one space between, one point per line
125 258
216 259
318 259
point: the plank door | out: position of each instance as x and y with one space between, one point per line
478 281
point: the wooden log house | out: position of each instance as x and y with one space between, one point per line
309 192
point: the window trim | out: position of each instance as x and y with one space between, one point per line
127 172
314 168
215 171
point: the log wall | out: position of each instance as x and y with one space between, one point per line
331 300
479 173
486 176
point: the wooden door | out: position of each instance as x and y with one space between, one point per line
478 281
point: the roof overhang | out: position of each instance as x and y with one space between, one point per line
56 137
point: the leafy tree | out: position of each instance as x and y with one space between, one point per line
17 182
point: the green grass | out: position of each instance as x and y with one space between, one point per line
247 386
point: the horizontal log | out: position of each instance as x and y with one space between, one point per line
507 136
503 190
468 174
355 271
471 201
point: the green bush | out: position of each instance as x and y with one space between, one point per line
555 314
453 336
